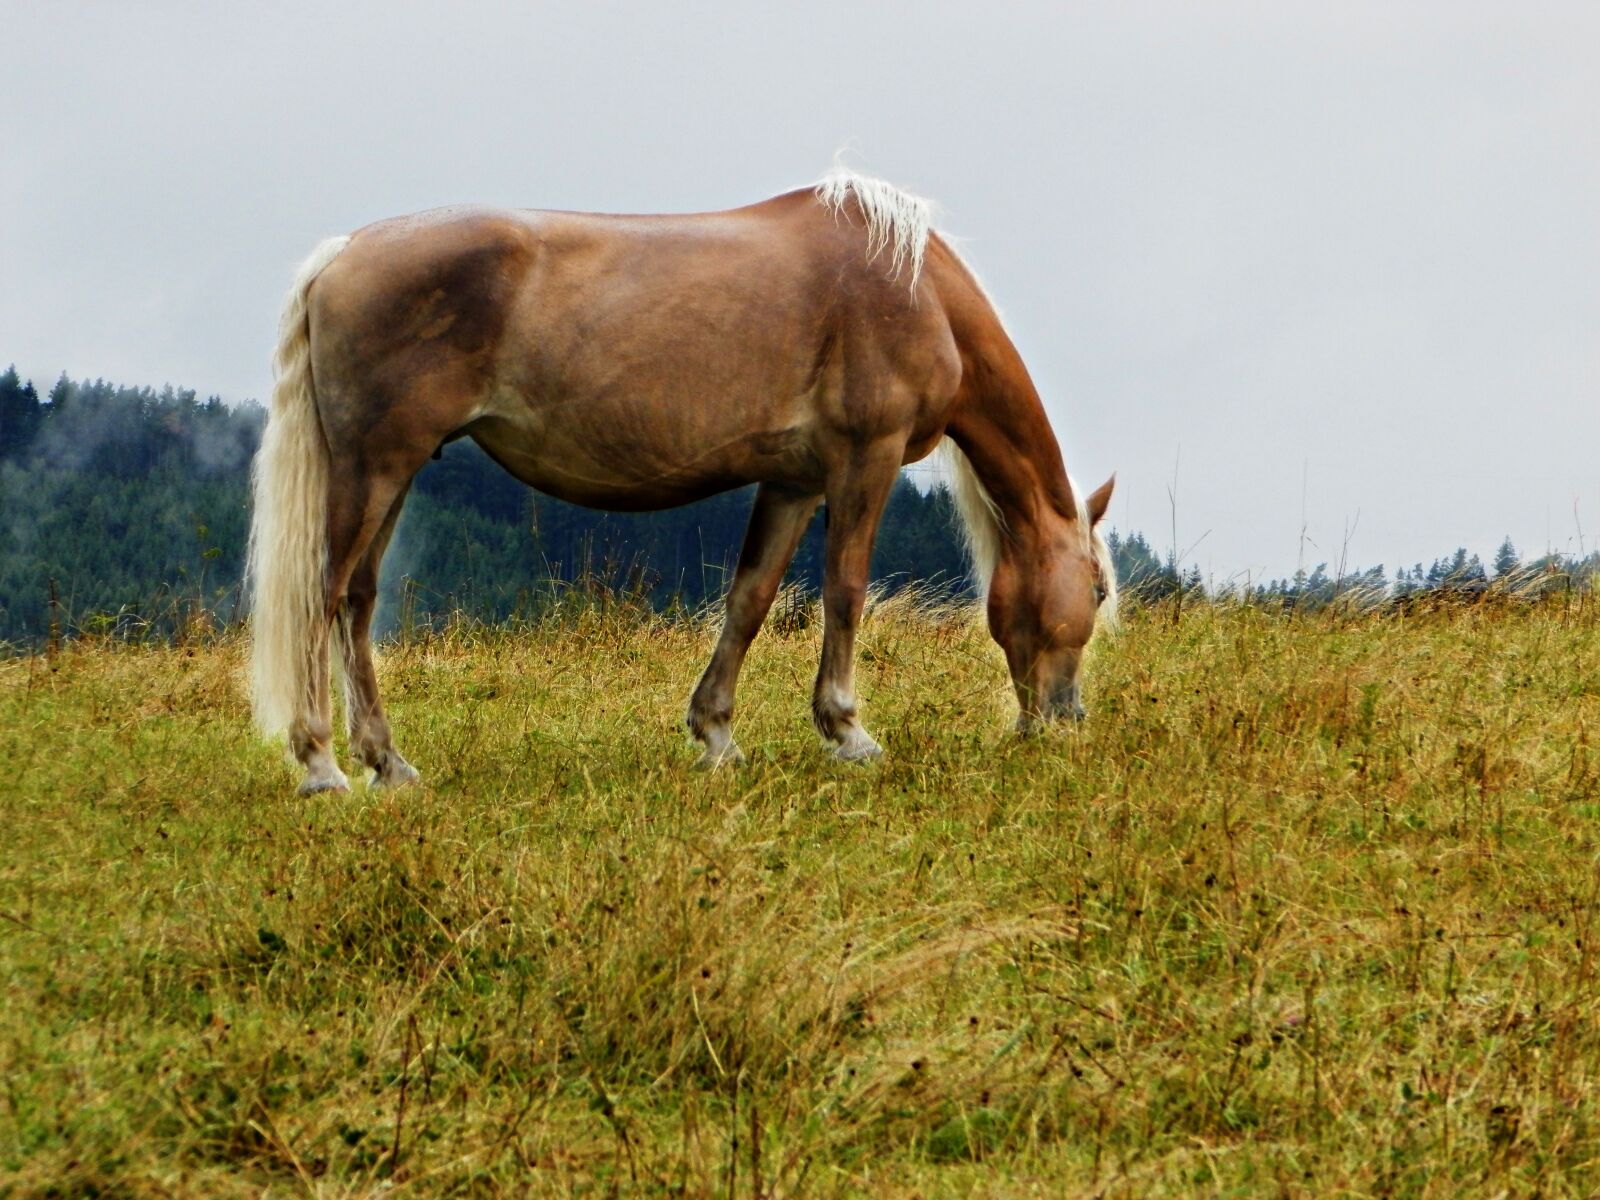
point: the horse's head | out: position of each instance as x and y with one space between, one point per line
1045 595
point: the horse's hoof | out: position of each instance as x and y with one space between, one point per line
392 771
729 756
396 773
858 749
316 784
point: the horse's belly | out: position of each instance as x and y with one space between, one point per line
616 459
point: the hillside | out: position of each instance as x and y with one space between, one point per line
1306 908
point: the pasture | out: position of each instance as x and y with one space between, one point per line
1306 908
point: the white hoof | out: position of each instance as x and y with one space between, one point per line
728 756
721 749
330 779
857 746
395 773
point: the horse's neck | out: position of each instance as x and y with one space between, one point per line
1001 426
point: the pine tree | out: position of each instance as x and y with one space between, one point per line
1505 559
19 415
62 395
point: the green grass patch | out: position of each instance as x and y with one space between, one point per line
1306 908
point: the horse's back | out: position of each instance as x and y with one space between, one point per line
629 360
786 257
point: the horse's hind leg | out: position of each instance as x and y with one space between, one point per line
311 734
362 509
777 523
856 499
370 738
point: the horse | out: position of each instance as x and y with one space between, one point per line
811 344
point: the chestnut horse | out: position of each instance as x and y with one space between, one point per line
811 344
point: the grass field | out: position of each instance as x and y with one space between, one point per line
1306 908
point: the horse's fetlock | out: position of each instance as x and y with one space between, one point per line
831 718
704 716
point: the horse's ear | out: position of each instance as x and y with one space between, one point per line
1100 500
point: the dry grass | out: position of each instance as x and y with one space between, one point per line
1305 909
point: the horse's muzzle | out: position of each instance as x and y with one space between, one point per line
1063 705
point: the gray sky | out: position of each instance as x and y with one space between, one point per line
1350 246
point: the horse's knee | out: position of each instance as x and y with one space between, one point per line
844 599
361 593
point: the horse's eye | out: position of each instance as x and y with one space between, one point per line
1099 593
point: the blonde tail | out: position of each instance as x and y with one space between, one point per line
288 532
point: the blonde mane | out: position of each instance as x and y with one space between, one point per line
981 523
896 220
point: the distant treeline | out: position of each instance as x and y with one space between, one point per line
126 508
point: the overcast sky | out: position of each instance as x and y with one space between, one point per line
1345 251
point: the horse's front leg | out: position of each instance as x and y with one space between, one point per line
856 499
777 522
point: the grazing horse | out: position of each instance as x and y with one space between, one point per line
812 344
